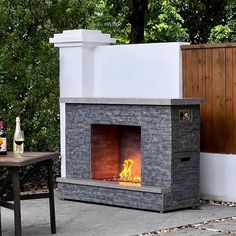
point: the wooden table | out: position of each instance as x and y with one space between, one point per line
14 166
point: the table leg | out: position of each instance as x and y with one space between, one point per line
51 197
16 199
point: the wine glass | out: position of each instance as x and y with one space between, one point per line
19 140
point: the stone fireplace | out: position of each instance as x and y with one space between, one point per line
138 153
120 150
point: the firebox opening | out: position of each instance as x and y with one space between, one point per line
116 153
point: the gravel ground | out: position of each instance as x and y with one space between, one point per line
223 226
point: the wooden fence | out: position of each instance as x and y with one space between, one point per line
209 71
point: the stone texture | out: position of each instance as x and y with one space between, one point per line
78 137
170 152
111 196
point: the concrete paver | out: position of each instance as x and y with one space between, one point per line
84 219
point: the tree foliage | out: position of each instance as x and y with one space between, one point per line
29 72
136 21
231 20
164 24
201 16
220 34
225 32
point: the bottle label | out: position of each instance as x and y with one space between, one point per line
3 144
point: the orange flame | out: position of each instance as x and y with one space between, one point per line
126 173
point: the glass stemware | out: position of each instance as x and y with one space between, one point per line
19 140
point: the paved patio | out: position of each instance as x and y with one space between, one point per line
84 219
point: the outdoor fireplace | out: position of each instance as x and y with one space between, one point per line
138 153
120 145
116 153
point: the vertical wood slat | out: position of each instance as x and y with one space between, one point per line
184 72
218 72
210 72
229 130
202 90
188 75
195 74
234 98
208 131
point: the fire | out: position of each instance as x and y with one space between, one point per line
126 173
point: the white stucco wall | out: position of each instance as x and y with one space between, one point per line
138 70
70 60
218 176
63 138
91 67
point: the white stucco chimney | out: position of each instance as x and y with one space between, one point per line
76 60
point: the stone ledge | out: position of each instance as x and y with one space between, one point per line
134 101
107 184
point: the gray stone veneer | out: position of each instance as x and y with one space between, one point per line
170 152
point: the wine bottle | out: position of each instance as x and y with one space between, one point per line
18 147
3 139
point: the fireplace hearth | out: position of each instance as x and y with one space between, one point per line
138 153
